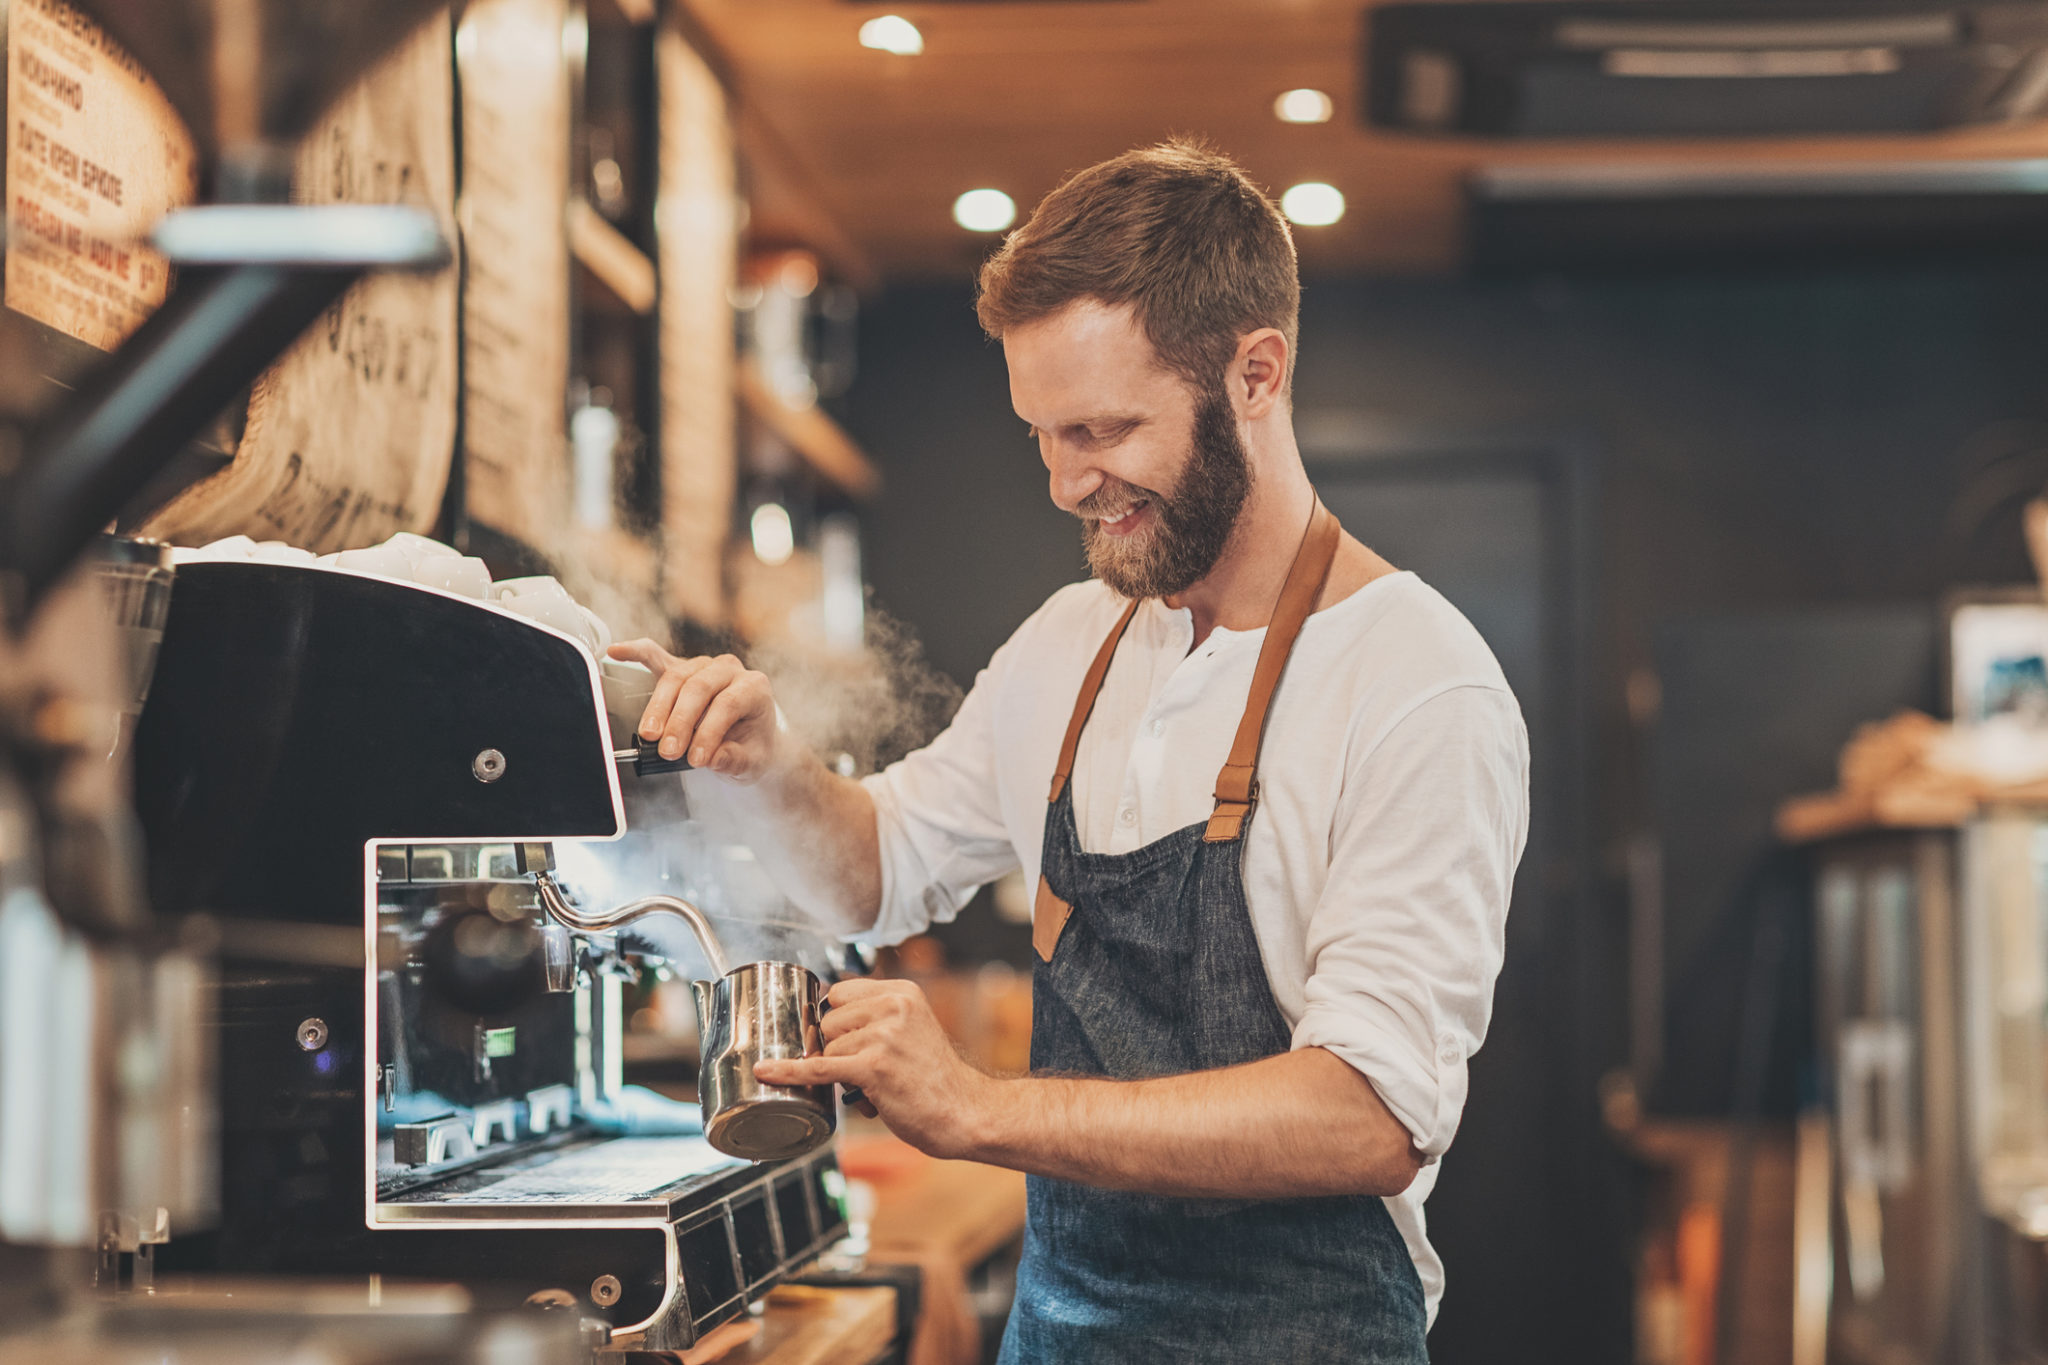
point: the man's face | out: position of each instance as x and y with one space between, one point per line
1158 475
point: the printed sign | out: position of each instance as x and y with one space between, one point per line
350 434
95 155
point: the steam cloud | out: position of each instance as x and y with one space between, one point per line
872 707
876 705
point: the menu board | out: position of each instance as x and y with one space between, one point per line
698 229
515 303
350 434
95 156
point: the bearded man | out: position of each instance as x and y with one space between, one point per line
1271 792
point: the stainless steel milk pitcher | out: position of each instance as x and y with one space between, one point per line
749 1014
762 1011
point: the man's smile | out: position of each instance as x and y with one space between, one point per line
1126 521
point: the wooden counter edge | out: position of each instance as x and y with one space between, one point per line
813 1325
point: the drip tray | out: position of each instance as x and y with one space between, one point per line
655 1178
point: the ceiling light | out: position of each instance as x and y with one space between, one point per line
1313 204
1304 106
984 210
892 33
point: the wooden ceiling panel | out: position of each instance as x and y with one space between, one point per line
1017 95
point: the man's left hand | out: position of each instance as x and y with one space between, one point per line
883 1037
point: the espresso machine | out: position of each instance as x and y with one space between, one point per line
365 784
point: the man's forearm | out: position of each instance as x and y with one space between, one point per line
814 832
1303 1123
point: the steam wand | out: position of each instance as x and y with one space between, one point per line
562 912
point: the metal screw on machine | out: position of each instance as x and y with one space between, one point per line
605 1290
312 1034
488 766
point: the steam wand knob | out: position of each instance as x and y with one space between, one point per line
647 760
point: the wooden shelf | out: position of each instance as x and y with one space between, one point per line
822 443
608 254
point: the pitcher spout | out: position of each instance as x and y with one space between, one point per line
706 999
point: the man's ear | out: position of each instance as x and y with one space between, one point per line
1259 373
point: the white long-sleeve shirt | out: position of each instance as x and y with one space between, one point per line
1393 807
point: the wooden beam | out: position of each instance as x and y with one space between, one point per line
822 443
611 256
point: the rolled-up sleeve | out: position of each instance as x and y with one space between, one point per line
1406 939
939 820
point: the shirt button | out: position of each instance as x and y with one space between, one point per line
1127 816
1448 1053
1158 728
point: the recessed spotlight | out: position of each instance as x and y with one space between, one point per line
984 210
1313 204
1304 106
892 33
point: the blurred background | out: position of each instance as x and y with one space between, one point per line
1697 350
1694 352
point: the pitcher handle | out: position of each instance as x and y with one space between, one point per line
851 1094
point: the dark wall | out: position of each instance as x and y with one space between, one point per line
1765 439
1745 445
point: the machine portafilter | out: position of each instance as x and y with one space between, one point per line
749 1014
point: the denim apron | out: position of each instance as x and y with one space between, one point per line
1146 965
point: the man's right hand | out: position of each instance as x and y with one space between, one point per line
717 710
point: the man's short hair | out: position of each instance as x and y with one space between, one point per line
1179 232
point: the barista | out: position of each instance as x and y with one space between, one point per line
1271 792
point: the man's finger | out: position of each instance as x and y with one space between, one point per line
694 695
811 1071
663 698
841 1020
846 1045
726 710
855 988
641 651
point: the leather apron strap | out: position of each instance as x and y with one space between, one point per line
1237 784
1085 702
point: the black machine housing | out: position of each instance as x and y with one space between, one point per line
340 771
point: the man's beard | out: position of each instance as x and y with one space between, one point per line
1192 526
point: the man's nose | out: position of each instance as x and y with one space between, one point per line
1070 480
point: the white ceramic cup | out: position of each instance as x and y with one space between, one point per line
279 552
464 575
418 549
601 633
227 547
385 561
538 585
558 613
627 687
